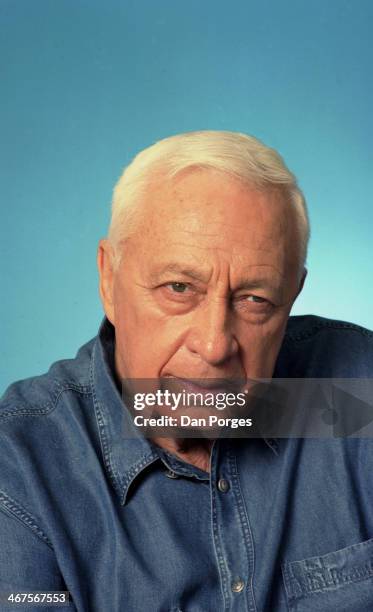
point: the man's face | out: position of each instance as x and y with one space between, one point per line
206 283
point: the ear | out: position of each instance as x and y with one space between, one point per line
301 282
105 264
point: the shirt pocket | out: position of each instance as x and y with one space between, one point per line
340 580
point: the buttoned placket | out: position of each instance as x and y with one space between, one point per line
231 531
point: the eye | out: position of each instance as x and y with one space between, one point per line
256 298
253 305
178 287
177 296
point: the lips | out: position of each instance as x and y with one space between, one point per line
203 385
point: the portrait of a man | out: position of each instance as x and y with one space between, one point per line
204 259
186 383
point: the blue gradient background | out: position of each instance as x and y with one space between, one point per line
86 84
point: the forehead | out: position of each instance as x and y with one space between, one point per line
206 216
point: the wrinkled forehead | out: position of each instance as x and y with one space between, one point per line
205 216
212 204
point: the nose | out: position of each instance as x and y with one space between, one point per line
211 334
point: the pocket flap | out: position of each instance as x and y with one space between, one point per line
329 572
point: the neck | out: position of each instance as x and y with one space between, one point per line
197 452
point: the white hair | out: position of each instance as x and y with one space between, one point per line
238 155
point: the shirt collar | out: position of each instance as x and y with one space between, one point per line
273 444
126 453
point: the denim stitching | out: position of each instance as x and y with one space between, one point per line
295 590
222 569
316 327
46 408
105 448
24 517
134 471
245 523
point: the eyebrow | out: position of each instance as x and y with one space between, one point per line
187 271
182 270
258 283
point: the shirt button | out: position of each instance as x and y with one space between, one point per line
223 485
238 585
171 474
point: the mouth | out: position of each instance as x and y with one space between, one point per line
203 385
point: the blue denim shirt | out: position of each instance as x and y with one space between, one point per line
125 527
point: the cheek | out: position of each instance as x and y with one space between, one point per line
147 340
260 345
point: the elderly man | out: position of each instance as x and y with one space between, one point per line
204 259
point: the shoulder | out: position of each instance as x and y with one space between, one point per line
45 420
302 327
316 346
39 395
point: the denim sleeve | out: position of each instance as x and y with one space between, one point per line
27 565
